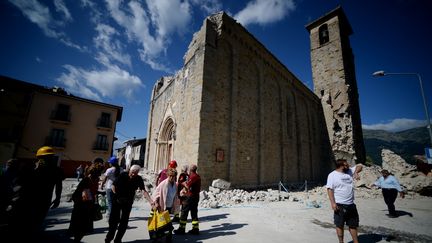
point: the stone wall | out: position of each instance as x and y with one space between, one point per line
335 83
269 126
177 98
240 114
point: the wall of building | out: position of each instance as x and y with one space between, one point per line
266 122
239 113
178 98
80 133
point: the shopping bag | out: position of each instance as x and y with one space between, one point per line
102 203
159 224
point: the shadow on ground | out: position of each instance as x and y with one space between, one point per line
371 234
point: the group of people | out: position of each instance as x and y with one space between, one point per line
183 195
27 188
340 190
177 196
24 182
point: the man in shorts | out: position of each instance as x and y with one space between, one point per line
340 189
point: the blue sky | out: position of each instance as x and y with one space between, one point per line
114 51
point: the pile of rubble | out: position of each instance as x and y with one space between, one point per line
415 184
219 194
411 180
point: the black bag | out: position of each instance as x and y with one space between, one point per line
97 212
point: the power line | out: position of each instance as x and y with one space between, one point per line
122 134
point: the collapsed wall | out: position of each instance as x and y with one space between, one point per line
333 73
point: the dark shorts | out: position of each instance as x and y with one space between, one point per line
347 214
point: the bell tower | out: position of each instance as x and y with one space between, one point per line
333 74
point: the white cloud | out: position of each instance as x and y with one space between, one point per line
61 7
169 16
112 48
208 6
151 28
40 15
109 82
95 14
397 125
264 12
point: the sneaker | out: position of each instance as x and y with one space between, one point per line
194 231
179 231
392 215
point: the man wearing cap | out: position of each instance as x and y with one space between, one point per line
32 194
47 176
390 187
111 175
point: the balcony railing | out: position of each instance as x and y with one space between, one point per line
55 142
104 123
60 116
100 146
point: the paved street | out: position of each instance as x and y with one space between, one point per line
276 222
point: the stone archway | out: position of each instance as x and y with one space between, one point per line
165 144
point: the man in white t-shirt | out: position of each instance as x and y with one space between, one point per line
111 175
340 189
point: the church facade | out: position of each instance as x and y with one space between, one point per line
238 113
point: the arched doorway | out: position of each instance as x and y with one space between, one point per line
165 144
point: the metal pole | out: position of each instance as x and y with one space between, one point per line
426 108
382 73
279 190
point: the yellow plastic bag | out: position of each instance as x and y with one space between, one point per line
159 224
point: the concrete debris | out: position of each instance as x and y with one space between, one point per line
416 185
396 165
214 197
222 184
412 181
408 176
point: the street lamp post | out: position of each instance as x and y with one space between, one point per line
382 73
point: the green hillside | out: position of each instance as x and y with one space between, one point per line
405 143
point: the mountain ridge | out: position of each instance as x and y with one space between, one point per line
405 143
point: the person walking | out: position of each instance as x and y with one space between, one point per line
32 191
390 187
340 190
165 195
47 176
193 186
79 172
110 175
181 190
124 188
163 173
84 198
165 198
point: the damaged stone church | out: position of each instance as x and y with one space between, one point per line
238 113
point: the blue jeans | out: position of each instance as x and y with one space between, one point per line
109 196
